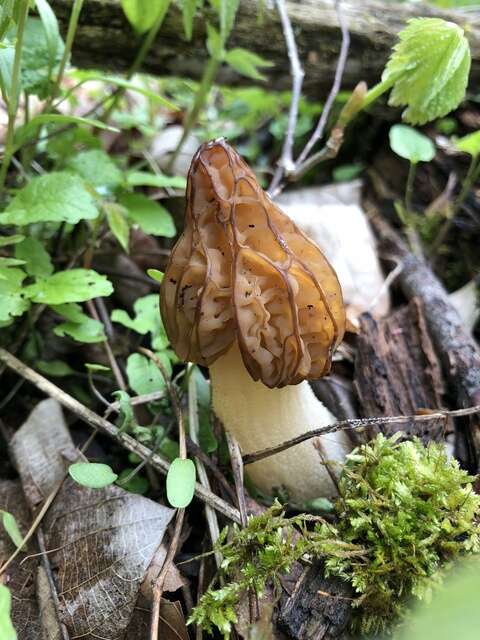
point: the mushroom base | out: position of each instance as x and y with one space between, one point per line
259 417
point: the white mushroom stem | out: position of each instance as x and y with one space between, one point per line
259 417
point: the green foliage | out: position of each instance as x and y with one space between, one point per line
453 612
142 14
246 63
412 511
14 300
189 8
93 475
410 144
159 180
469 144
37 259
76 285
7 632
147 320
405 512
181 483
11 527
54 197
79 326
133 482
143 375
150 216
428 69
97 168
54 368
118 223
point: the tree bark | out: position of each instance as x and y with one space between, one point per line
105 40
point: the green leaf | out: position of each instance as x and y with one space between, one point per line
135 484
50 25
410 144
469 144
127 417
143 375
7 9
227 13
97 168
346 172
142 14
94 368
79 326
12 294
145 179
7 632
150 216
37 259
7 54
117 223
11 527
215 44
428 69
147 316
181 483
189 8
93 475
27 132
37 67
54 197
56 368
246 63
9 262
75 285
155 274
14 239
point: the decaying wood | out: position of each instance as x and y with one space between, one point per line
397 371
105 40
456 349
319 608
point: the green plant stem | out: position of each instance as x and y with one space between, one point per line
201 96
72 28
14 97
412 169
139 58
376 91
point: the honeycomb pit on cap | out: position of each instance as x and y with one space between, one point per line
247 293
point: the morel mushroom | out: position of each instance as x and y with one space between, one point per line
247 294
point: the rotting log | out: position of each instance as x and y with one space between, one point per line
456 349
105 40
397 371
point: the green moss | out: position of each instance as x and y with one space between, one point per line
405 512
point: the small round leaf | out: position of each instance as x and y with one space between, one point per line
181 483
410 144
93 475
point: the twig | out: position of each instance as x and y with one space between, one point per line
93 419
286 164
194 429
356 423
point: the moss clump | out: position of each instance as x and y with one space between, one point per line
405 512
413 511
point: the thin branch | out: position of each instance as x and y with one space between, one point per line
341 62
125 440
358 424
286 164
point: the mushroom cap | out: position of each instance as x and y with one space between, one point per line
242 270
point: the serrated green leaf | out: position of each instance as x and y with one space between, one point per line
150 216
246 63
93 475
11 527
428 69
75 285
411 144
50 25
37 260
12 295
117 223
56 368
181 483
145 179
7 631
97 168
143 375
142 14
469 144
54 197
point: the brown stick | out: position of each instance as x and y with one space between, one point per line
93 419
